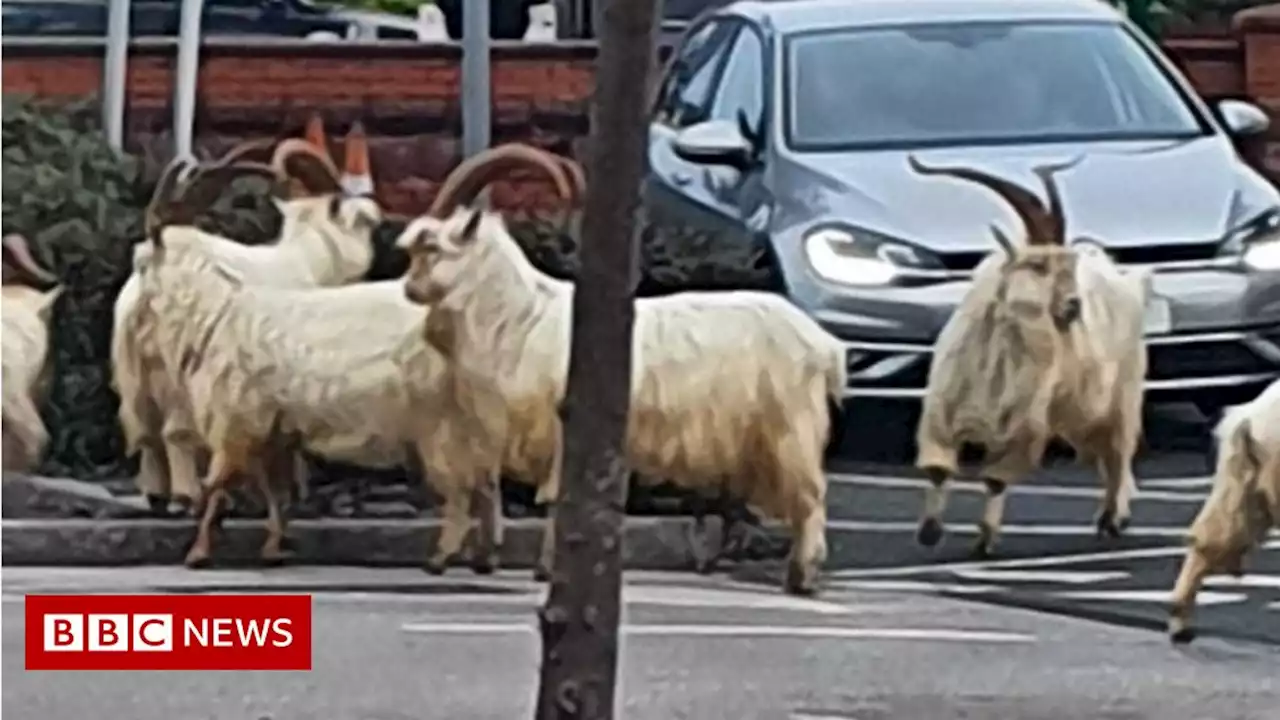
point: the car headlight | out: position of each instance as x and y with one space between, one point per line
1257 242
852 256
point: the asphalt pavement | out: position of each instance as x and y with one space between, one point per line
395 645
1048 557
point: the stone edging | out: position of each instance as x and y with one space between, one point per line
652 543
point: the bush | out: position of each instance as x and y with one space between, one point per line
81 206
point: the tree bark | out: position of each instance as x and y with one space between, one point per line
579 623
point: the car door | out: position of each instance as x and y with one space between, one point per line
729 84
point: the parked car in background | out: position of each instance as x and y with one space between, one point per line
221 18
787 125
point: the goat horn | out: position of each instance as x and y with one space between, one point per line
21 267
207 183
475 173
1046 174
257 150
298 159
1005 243
1030 210
577 179
315 135
159 212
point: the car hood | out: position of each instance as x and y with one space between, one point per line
1123 194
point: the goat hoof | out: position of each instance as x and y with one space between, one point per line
981 550
196 560
484 565
541 574
1107 525
158 505
705 566
929 532
796 582
275 558
434 566
1182 636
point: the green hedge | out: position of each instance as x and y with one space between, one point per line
81 207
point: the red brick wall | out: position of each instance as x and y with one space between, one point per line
406 94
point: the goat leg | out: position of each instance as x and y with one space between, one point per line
992 519
1195 566
930 531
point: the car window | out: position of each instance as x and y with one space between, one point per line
686 92
1059 82
741 87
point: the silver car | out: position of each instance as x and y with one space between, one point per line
787 125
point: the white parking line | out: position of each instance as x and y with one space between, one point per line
1065 577
915 586
896 526
1256 581
1205 597
743 631
1046 561
1069 491
1176 483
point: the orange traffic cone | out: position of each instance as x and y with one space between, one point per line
356 177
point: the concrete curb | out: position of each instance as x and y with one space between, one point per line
652 543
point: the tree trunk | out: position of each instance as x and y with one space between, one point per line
580 621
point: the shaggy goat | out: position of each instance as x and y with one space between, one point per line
325 240
366 403
256 384
29 291
1242 507
729 388
1046 343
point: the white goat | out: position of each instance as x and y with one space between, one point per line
28 295
730 389
1046 343
324 240
259 381
1242 507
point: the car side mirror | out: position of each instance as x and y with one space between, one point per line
1243 119
715 142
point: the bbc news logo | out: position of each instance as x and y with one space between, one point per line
168 632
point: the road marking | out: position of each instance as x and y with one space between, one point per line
917 586
1205 597
781 631
1044 561
1070 491
1256 581
707 597
1275 606
1177 483
968 529
1066 577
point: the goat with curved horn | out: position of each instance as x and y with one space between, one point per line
1039 222
299 160
21 267
159 208
469 178
1047 173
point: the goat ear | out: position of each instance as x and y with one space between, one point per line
417 232
472 228
45 311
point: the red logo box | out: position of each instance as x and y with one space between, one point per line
168 632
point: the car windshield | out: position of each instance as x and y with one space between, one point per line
977 83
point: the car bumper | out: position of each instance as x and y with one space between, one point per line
1221 336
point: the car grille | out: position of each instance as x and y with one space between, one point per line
1143 255
1204 359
